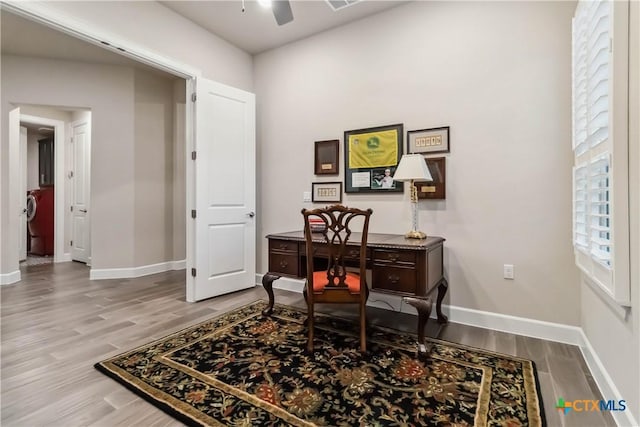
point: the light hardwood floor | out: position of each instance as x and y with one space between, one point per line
56 324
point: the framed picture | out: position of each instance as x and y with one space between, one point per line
429 141
326 157
436 189
330 192
371 157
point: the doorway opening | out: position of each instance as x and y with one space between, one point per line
37 164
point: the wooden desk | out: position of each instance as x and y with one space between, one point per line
410 268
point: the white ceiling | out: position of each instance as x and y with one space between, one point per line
255 30
23 37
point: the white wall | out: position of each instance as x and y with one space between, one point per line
153 168
132 150
145 25
179 171
159 29
108 91
614 335
503 85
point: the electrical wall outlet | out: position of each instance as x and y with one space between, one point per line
306 196
508 271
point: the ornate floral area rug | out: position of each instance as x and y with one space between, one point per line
243 369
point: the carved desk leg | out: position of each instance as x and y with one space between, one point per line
442 290
267 283
423 306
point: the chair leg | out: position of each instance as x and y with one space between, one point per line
363 328
310 326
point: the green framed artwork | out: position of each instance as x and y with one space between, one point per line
371 157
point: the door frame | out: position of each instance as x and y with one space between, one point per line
59 254
72 188
39 12
23 189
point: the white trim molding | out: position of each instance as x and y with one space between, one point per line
605 383
10 278
482 319
133 272
66 257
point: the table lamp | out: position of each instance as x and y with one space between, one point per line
413 167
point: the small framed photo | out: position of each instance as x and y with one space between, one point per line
429 141
330 192
326 157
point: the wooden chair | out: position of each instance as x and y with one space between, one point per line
335 284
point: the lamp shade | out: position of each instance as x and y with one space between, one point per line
412 166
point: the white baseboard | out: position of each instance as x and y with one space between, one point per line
62 258
605 383
133 272
467 316
558 332
10 278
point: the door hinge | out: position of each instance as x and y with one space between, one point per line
193 213
193 155
71 243
193 97
71 139
71 208
193 272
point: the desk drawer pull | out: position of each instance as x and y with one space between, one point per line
354 253
393 257
283 246
283 264
393 278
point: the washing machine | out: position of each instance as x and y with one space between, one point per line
40 220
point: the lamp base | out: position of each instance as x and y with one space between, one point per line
415 234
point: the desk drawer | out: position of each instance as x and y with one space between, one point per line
283 263
393 279
394 256
283 246
322 251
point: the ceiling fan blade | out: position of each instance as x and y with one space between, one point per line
282 11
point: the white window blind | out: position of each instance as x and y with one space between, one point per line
580 231
599 224
595 198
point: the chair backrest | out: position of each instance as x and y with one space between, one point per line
343 226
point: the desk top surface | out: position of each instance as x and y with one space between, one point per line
374 240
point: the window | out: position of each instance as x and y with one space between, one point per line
600 145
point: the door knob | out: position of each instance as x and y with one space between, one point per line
83 210
251 214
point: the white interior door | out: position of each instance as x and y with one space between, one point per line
23 194
224 240
80 223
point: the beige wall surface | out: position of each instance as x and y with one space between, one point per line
153 152
158 29
502 85
108 91
179 171
132 151
614 335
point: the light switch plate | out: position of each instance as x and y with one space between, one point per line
508 271
306 196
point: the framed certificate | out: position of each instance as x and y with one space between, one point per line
330 192
429 141
371 157
326 157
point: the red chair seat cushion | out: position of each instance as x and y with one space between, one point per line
320 281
